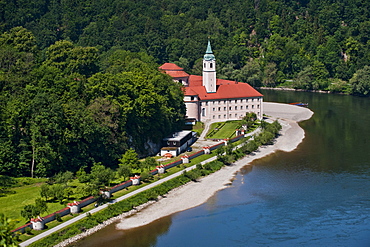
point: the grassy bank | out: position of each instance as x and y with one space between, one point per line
265 137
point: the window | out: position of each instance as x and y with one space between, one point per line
219 108
192 98
236 108
219 116
204 65
210 65
258 106
230 115
230 108
241 107
203 112
252 106
236 115
224 108
214 116
207 103
213 109
224 115
236 101
246 107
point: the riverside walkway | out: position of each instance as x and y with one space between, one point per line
97 209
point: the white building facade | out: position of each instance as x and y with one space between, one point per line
210 99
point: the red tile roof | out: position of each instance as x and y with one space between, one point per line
225 89
170 66
190 92
177 74
173 70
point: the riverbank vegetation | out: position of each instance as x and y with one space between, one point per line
226 156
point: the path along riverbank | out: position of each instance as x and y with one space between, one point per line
196 193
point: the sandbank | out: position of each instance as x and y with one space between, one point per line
196 193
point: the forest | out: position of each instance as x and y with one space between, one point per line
79 83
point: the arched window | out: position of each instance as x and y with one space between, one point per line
203 112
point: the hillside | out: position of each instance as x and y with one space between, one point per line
79 82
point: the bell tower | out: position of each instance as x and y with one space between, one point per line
209 70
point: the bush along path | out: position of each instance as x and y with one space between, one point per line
226 154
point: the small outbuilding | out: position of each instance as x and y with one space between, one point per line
178 142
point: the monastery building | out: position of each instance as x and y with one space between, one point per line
216 100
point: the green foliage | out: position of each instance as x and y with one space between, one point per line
77 88
146 177
361 81
58 114
32 211
124 171
6 183
7 238
130 159
63 177
100 176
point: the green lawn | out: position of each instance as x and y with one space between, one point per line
12 204
223 130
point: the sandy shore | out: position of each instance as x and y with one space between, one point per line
194 194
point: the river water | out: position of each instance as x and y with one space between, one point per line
317 195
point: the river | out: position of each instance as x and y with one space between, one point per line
317 195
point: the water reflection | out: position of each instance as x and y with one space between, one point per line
316 195
110 236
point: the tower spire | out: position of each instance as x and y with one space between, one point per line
209 54
209 70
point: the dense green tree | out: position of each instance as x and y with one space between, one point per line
361 81
124 171
130 159
100 176
32 211
249 119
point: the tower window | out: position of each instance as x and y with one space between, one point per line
204 65
210 65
